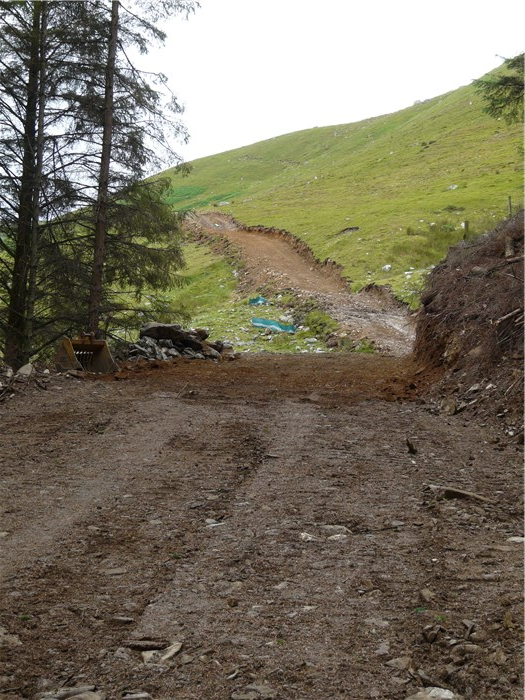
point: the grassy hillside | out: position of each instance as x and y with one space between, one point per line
408 180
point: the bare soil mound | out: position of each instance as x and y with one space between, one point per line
471 326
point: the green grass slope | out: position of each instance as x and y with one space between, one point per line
408 180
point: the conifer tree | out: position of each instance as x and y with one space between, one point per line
66 147
503 93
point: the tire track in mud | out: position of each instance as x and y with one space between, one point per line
257 597
204 515
85 472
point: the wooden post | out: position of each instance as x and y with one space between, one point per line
510 206
465 230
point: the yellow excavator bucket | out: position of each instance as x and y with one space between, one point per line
84 353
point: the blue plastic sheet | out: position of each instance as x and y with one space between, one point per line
258 301
273 325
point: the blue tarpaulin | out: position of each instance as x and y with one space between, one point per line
258 301
272 325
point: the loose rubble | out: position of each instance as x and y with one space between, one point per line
166 341
434 694
12 382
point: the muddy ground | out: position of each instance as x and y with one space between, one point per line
292 527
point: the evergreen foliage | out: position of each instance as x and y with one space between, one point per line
503 92
59 162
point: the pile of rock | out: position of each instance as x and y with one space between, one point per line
11 381
165 341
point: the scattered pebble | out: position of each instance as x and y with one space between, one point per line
401 663
433 693
427 595
254 691
122 620
115 572
171 651
7 639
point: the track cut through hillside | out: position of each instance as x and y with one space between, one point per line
275 527
269 258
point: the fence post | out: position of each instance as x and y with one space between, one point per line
510 206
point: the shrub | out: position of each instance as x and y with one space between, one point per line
320 323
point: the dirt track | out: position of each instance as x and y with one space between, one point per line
275 516
269 259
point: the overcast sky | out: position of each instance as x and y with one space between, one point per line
248 70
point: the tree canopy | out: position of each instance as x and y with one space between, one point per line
503 92
82 231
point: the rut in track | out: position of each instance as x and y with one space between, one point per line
267 514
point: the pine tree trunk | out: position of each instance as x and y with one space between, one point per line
18 342
96 288
33 269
